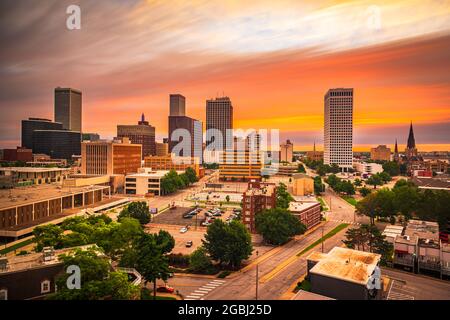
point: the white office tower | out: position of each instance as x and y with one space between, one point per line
338 132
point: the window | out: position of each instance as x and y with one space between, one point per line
3 294
45 286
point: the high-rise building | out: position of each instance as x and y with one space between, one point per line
286 151
381 153
142 133
338 131
58 144
219 116
177 105
110 157
181 128
68 108
28 126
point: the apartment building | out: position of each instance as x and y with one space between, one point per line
258 197
368 168
308 212
302 185
145 182
286 151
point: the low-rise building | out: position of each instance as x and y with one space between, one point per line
345 274
366 168
21 210
258 197
302 185
391 232
308 212
146 182
172 162
440 182
18 154
420 249
31 175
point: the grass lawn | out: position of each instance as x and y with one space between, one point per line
17 246
350 200
324 206
339 228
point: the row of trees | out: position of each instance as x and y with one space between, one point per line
321 169
379 179
339 185
407 201
369 238
173 181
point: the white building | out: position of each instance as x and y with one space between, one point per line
368 168
145 182
338 131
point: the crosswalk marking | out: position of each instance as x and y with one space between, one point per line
199 293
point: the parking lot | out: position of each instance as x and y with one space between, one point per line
218 197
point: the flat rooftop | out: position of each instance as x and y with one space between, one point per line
33 169
264 189
423 229
347 264
301 206
151 174
35 260
30 194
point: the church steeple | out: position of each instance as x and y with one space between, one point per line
411 141
142 117
396 156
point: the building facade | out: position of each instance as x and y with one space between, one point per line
146 182
380 153
110 157
338 129
177 105
308 212
366 168
258 197
302 185
142 133
68 108
18 154
286 151
219 116
58 144
28 127
172 162
162 149
182 126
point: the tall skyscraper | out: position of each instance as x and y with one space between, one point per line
58 144
177 105
338 131
68 108
32 124
142 133
193 127
219 115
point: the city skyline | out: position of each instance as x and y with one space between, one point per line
400 70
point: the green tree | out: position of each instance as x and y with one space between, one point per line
191 174
392 168
364 191
278 226
137 210
374 180
199 261
334 168
357 182
406 200
385 177
283 197
319 187
323 169
377 204
332 181
97 282
228 244
49 235
151 261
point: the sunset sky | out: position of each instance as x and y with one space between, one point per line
274 59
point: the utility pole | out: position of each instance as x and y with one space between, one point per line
257 275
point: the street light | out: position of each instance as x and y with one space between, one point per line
257 275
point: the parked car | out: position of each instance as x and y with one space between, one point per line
165 288
183 230
187 216
189 244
